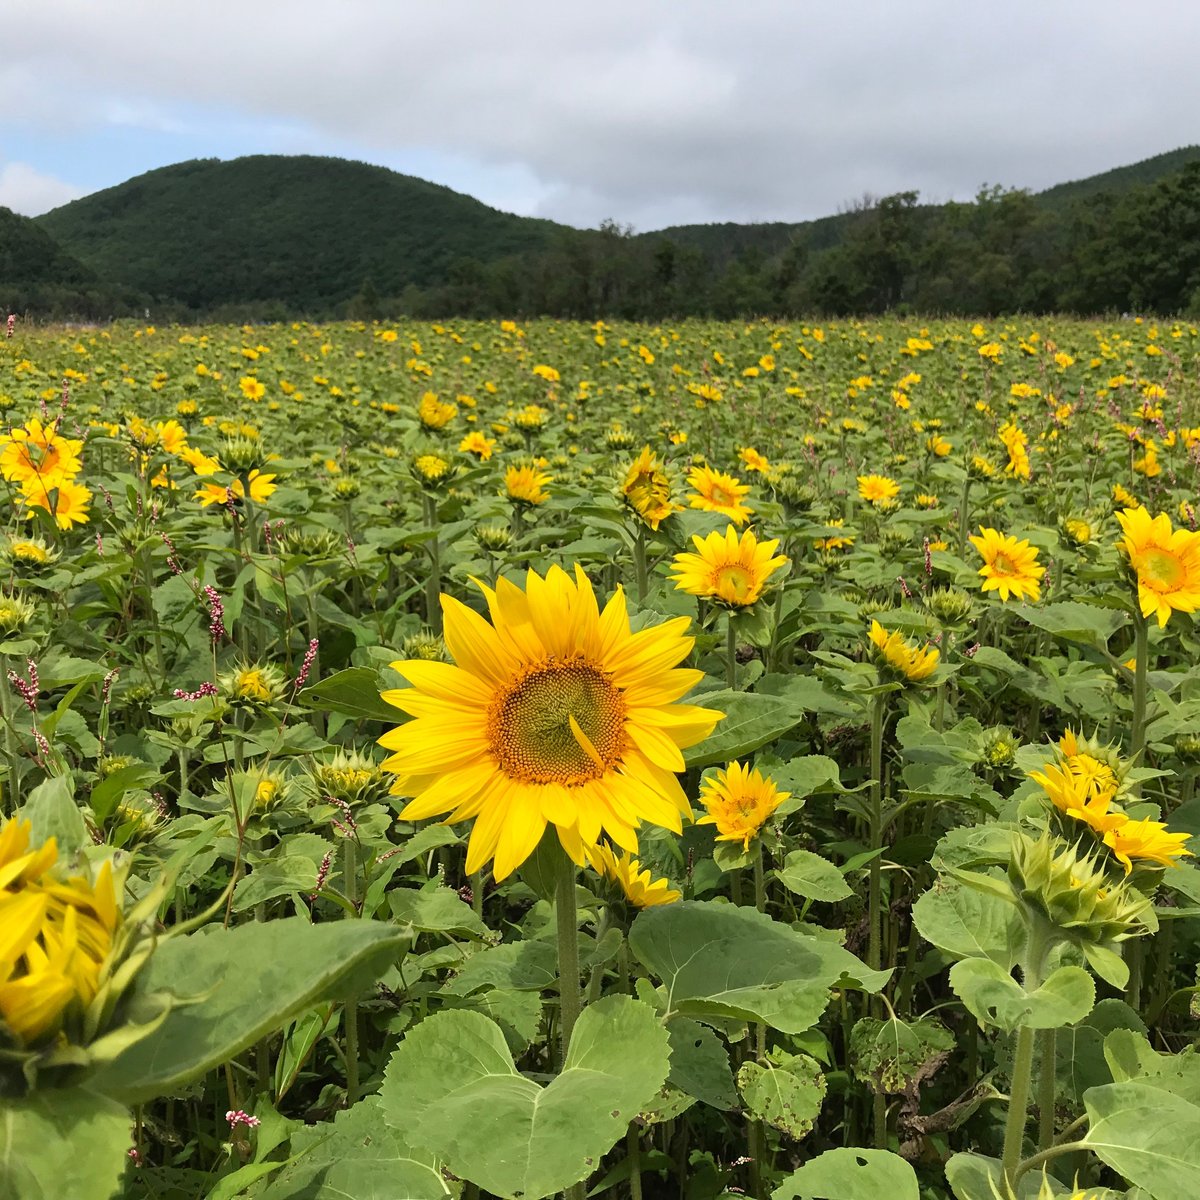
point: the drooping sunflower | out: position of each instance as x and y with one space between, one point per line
527 485
1166 561
720 493
1009 566
641 889
55 934
1073 794
877 488
647 490
555 713
739 801
913 663
729 569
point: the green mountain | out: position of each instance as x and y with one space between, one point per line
310 231
268 237
29 255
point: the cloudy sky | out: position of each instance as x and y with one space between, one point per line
648 112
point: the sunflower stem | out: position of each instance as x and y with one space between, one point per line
1141 645
730 653
350 884
874 931
1047 1085
964 516
639 564
1022 1072
569 998
433 581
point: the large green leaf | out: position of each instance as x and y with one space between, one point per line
700 1064
963 922
435 909
851 1174
356 1157
751 720
1148 1134
718 960
897 1055
51 810
229 987
453 1088
355 692
994 997
56 1145
1077 622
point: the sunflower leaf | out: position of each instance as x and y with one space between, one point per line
453 1089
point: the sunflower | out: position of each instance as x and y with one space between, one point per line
719 493
877 488
837 542
477 444
1166 561
37 452
731 570
527 485
55 934
434 413
1073 795
553 713
753 461
68 503
1098 764
647 490
739 801
641 889
261 489
911 662
1145 839
1009 566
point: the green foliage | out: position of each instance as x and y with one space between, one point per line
452 1086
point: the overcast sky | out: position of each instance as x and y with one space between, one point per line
647 112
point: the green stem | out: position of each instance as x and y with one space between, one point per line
1043 1156
570 1001
1047 1085
433 581
730 653
350 883
633 1147
1018 1103
964 519
639 564
1141 657
874 931
13 780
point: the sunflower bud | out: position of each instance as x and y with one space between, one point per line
256 685
619 438
1076 895
493 538
352 778
241 455
15 613
346 488
426 644
950 605
999 749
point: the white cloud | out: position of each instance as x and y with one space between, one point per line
643 110
28 191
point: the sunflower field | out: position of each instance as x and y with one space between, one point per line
517 760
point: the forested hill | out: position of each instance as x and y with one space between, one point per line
303 230
269 237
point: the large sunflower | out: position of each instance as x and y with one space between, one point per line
1166 560
1009 566
554 713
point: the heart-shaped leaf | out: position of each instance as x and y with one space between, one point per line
994 997
453 1090
720 960
851 1174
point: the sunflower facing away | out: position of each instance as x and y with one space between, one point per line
731 570
647 490
1009 566
719 493
1166 560
641 889
555 713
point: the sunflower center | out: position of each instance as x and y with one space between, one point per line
1003 565
718 495
1161 570
733 583
561 722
